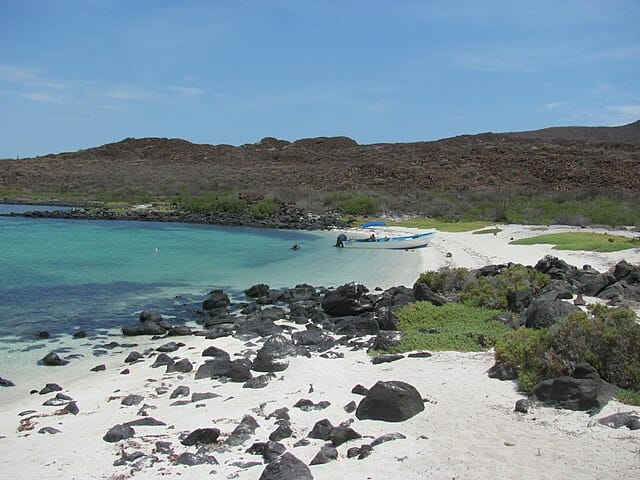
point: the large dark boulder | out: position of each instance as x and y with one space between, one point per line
584 390
542 313
259 290
302 311
346 300
313 337
556 268
597 284
631 420
257 327
356 326
392 401
422 293
300 293
395 297
274 354
245 429
216 299
147 327
286 467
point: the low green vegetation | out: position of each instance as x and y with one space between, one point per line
596 242
493 291
264 208
359 205
442 225
487 231
607 338
451 327
211 202
630 397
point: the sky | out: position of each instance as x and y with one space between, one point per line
79 74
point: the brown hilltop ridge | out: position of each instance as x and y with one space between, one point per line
556 159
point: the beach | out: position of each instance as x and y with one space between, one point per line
468 429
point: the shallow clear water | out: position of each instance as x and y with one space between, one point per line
65 275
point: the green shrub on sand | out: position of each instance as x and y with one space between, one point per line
606 338
450 327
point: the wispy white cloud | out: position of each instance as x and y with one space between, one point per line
11 73
549 107
498 62
189 92
129 92
629 110
45 97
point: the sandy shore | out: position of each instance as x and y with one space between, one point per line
468 429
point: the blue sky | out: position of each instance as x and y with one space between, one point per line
77 74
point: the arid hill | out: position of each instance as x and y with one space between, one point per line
557 160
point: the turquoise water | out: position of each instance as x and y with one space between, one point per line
64 275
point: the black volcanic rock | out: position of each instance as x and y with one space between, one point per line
391 401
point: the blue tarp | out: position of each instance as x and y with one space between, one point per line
374 224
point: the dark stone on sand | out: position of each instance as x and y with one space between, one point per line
359 390
44 335
631 420
53 360
269 450
118 432
162 360
201 436
388 437
80 334
420 355
199 396
72 408
307 405
145 422
99 368
522 406
321 429
125 372
245 429
386 358
130 400
181 391
6 383
133 357
168 347
50 387
339 435
392 401
260 381
286 467
182 366
49 430
164 448
326 454
350 407
283 431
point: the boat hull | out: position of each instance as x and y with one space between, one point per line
410 242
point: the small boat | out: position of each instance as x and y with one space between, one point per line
405 242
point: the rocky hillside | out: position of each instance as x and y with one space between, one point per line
566 159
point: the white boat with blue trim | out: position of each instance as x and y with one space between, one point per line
366 238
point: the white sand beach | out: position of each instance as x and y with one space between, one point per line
468 430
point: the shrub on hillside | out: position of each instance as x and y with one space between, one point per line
359 205
213 203
264 208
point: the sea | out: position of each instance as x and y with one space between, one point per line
63 276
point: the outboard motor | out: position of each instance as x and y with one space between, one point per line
340 241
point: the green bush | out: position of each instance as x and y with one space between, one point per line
264 208
213 203
446 280
359 205
608 339
524 348
493 291
453 326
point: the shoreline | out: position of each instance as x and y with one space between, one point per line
467 430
